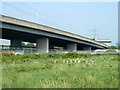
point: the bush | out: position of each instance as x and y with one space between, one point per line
111 50
27 57
70 55
46 55
34 56
56 55
83 55
20 68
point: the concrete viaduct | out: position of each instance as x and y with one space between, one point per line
45 37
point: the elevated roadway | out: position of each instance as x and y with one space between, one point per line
45 37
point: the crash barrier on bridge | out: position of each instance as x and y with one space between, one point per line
41 51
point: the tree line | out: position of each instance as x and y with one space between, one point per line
114 47
28 45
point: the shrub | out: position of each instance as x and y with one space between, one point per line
83 55
24 56
27 57
46 55
34 56
56 55
20 68
111 50
70 55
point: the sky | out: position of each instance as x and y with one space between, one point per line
81 18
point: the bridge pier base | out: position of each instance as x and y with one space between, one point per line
72 47
43 45
16 44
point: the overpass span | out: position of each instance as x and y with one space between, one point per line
45 37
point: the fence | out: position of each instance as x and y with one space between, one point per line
41 51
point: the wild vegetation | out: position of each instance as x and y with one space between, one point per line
57 71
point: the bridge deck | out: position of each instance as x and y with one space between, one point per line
48 29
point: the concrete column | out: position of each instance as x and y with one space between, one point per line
16 43
72 47
43 45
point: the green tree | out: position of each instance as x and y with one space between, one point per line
23 44
30 45
119 47
112 47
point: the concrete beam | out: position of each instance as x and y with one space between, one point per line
43 45
72 47
16 43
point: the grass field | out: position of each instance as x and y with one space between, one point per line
53 73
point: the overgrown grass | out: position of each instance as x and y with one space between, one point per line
42 71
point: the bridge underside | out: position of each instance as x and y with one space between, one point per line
44 40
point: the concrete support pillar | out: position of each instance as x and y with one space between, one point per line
16 43
43 45
72 47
